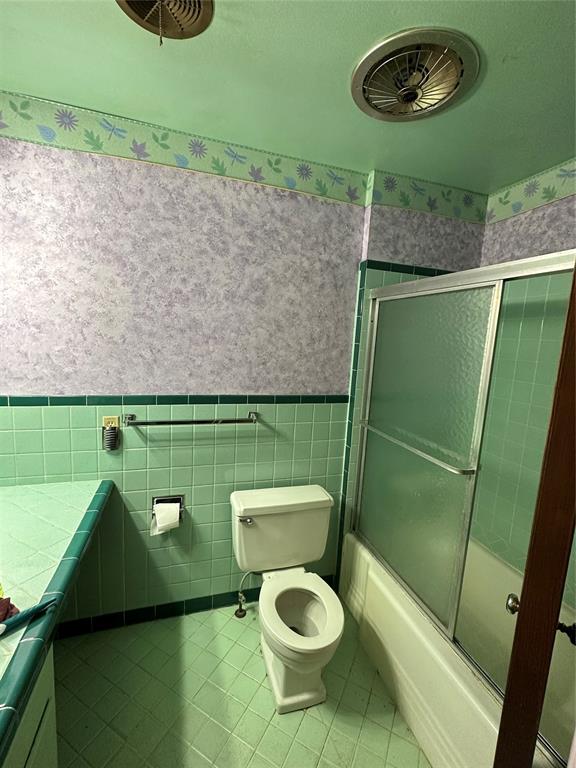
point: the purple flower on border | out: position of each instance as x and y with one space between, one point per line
531 188
352 193
390 183
2 123
468 200
197 148
304 171
139 149
256 173
66 119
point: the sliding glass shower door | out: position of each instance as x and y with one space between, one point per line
422 416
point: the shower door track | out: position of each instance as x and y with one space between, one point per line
481 277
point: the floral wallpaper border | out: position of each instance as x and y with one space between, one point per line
399 191
533 192
66 127
50 123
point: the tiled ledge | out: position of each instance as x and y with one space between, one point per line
19 676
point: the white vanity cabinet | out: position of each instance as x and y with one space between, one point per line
34 744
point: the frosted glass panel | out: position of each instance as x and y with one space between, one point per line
428 359
413 513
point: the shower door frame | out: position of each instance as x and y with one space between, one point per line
481 277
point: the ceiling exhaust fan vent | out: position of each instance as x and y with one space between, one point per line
415 73
178 19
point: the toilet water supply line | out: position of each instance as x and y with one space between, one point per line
240 612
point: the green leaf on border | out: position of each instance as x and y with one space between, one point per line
505 199
218 166
549 193
93 140
25 116
14 107
321 187
404 199
275 165
24 105
161 141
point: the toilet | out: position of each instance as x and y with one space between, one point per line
275 531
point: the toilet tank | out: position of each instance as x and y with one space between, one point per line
280 527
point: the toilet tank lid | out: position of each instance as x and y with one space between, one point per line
268 501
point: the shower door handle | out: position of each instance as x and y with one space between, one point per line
513 606
512 603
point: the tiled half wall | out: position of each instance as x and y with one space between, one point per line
294 443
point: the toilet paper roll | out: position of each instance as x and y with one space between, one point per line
166 517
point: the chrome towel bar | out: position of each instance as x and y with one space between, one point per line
130 420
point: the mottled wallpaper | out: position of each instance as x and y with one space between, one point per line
423 239
118 276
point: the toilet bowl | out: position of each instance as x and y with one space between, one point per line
301 621
275 531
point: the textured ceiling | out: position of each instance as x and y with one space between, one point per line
275 74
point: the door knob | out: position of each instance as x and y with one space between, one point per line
512 603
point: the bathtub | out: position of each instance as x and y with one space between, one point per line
453 712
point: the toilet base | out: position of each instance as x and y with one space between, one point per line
291 690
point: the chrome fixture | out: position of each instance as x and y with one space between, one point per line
177 19
512 603
240 612
131 420
433 459
414 73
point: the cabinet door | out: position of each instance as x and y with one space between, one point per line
34 744
44 752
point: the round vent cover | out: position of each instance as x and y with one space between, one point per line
178 19
415 73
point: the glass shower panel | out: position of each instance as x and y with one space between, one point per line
428 359
414 514
526 355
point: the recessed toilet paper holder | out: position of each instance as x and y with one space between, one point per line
169 500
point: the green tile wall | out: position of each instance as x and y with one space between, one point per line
294 443
526 356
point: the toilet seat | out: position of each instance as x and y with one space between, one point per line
297 579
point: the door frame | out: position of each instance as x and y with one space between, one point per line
545 572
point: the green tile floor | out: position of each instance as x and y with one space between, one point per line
191 692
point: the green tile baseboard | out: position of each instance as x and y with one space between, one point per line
46 400
152 612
